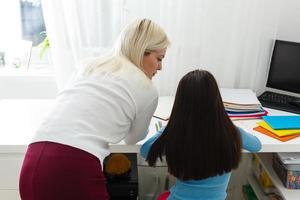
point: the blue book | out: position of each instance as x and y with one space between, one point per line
283 122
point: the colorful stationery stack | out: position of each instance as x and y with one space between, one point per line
282 128
242 104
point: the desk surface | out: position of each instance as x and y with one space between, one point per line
20 117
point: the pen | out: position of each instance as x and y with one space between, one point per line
158 125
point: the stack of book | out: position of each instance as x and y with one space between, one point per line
242 104
282 128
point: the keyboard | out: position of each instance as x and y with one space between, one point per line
278 101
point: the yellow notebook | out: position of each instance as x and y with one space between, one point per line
278 132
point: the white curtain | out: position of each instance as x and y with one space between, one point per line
78 29
232 39
10 28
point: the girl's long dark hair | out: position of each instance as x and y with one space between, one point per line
199 140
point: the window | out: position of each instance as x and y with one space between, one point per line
23 40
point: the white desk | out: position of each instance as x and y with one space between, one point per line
20 117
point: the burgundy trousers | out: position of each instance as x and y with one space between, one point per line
53 171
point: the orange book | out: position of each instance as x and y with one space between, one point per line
269 133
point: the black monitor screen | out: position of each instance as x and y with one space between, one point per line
284 73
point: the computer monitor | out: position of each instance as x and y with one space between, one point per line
284 72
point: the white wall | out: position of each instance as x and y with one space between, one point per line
289 21
288 29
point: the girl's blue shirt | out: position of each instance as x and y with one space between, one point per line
212 188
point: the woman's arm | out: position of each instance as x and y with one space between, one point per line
147 145
249 141
139 127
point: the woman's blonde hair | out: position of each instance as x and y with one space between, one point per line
137 38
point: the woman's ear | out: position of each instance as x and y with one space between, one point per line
147 53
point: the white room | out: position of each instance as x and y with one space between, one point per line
45 44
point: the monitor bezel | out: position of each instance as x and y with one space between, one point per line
276 89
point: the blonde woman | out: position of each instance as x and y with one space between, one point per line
112 99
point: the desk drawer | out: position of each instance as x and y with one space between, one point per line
9 194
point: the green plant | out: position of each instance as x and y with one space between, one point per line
44 45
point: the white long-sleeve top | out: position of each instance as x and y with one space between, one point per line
100 109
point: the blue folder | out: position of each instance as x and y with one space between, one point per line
283 122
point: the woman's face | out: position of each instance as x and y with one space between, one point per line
152 62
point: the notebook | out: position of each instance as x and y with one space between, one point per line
269 133
283 122
164 108
278 132
244 97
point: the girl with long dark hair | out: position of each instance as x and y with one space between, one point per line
200 143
